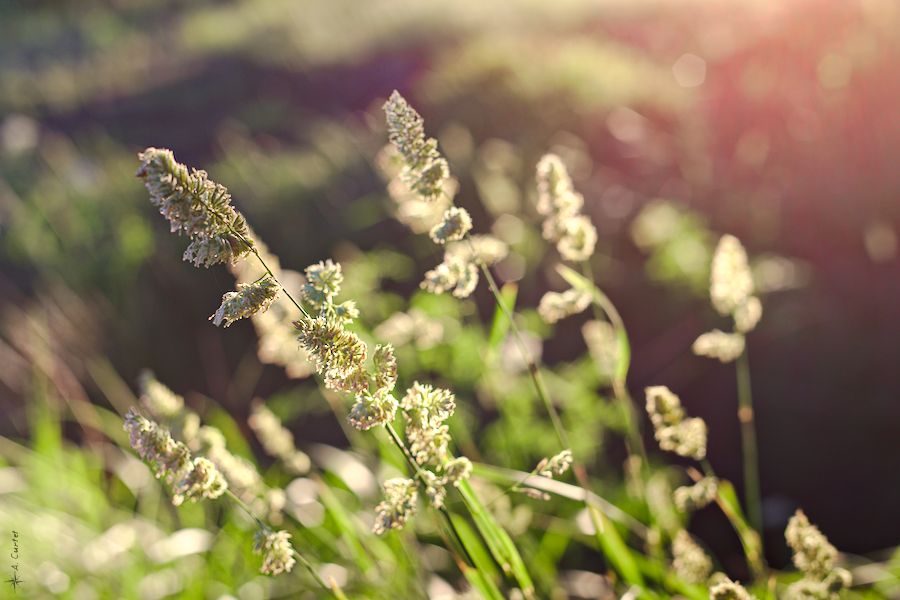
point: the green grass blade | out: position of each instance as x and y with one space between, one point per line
616 551
500 324
728 502
660 573
485 573
501 545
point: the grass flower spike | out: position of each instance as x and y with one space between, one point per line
166 457
694 497
159 400
690 562
339 355
574 234
196 207
323 283
747 315
276 550
249 299
815 557
663 406
424 169
426 174
457 470
555 306
454 226
398 506
276 439
455 275
202 480
555 465
685 437
813 554
372 409
726 347
190 478
722 588
731 283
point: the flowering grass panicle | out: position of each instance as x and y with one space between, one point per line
398 506
425 409
813 553
457 470
555 306
240 473
577 238
685 437
747 315
166 406
454 274
196 207
339 355
277 344
574 234
693 497
731 282
411 327
554 466
190 478
202 480
435 488
161 402
479 248
556 194
426 173
690 562
249 299
384 364
718 344
323 284
276 550
424 169
809 589
276 439
377 405
454 226
167 458
418 213
663 406
372 409
731 293
723 588
427 406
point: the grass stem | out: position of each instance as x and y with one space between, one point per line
752 496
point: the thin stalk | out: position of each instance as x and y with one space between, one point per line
749 538
255 252
300 558
395 437
748 443
541 388
634 443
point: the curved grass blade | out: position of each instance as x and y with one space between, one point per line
623 347
500 544
483 575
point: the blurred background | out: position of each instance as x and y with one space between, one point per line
777 122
